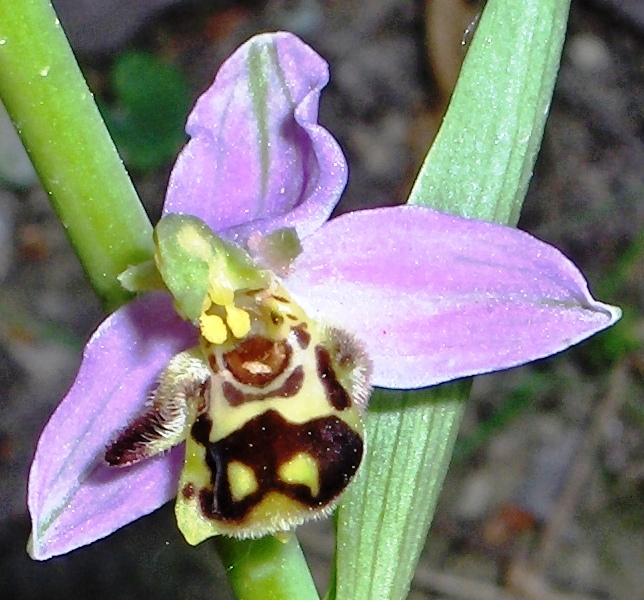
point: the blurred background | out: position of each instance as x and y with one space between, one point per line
545 497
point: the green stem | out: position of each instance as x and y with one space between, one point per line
64 134
267 569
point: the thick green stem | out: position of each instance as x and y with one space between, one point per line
267 569
64 134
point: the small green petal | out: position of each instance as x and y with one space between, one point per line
143 277
277 250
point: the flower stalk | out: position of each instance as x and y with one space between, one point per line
269 568
54 112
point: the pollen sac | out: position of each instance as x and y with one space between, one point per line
280 435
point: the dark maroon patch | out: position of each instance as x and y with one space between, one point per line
292 385
188 491
233 396
288 389
204 394
335 393
201 430
138 440
134 443
267 442
244 361
302 335
212 361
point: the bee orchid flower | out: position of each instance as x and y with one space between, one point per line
263 300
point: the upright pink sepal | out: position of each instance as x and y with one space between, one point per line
257 159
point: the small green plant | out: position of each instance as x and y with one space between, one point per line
147 115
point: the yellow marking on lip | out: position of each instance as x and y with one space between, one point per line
301 469
242 480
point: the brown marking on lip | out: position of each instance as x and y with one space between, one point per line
292 385
148 433
335 393
204 394
201 430
134 443
257 361
188 491
160 426
212 361
233 396
288 389
265 443
302 335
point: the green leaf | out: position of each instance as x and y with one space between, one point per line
383 521
482 159
479 166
